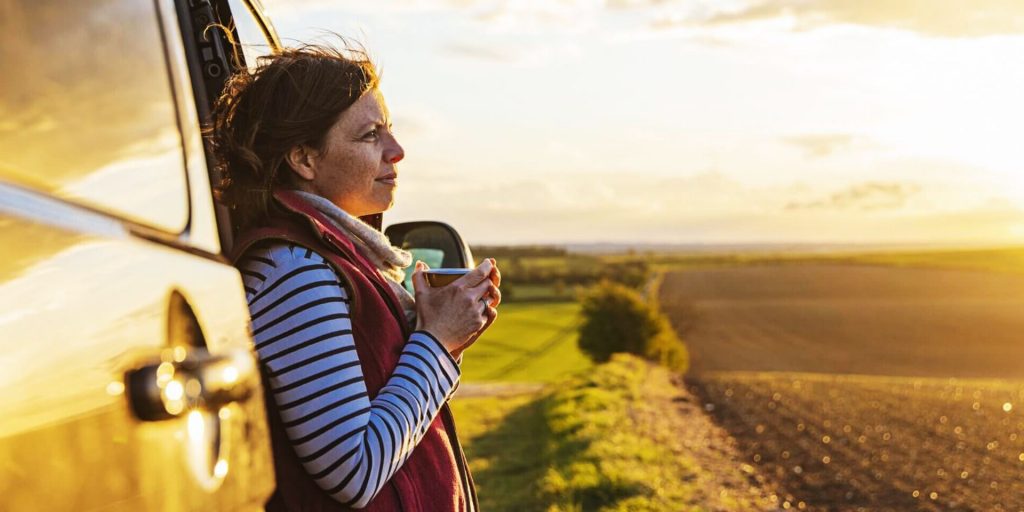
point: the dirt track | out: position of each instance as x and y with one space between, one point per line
798 363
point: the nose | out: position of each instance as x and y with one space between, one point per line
394 152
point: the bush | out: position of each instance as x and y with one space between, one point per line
616 319
666 348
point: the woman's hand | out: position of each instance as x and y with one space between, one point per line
458 313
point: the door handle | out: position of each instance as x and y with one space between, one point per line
170 389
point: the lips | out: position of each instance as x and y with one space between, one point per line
388 179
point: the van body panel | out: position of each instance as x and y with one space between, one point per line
111 264
81 308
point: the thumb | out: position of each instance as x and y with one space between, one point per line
419 282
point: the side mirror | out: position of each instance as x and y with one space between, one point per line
435 243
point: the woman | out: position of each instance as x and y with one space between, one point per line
357 398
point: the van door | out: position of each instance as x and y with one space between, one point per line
127 380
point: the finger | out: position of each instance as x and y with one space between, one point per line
495 297
480 289
478 274
492 295
492 315
419 281
496 275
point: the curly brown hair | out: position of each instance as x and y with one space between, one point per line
292 98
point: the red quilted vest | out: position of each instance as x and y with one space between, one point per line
435 477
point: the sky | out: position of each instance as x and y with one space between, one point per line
698 122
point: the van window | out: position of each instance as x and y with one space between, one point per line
250 35
87 113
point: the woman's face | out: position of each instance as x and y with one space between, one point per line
356 169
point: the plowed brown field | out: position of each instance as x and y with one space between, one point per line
863 388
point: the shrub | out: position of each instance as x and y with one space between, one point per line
666 348
617 319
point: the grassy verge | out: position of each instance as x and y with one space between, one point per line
608 449
591 442
533 342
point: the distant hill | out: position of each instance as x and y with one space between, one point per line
755 248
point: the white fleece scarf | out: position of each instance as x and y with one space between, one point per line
372 244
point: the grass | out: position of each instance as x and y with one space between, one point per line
505 439
605 450
593 442
529 342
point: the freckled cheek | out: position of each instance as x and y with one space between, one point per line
353 171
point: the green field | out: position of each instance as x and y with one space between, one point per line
529 342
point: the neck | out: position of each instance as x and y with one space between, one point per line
372 243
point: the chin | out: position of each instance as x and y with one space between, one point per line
378 208
384 204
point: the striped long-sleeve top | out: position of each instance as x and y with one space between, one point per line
304 340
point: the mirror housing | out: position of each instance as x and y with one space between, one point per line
432 240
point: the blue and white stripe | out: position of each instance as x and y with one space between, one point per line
350 445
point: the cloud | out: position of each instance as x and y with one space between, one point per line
708 207
820 144
940 18
479 52
947 18
573 207
867 196
634 4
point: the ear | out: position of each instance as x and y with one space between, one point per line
302 159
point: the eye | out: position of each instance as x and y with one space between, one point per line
371 135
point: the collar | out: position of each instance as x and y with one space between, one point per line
324 228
